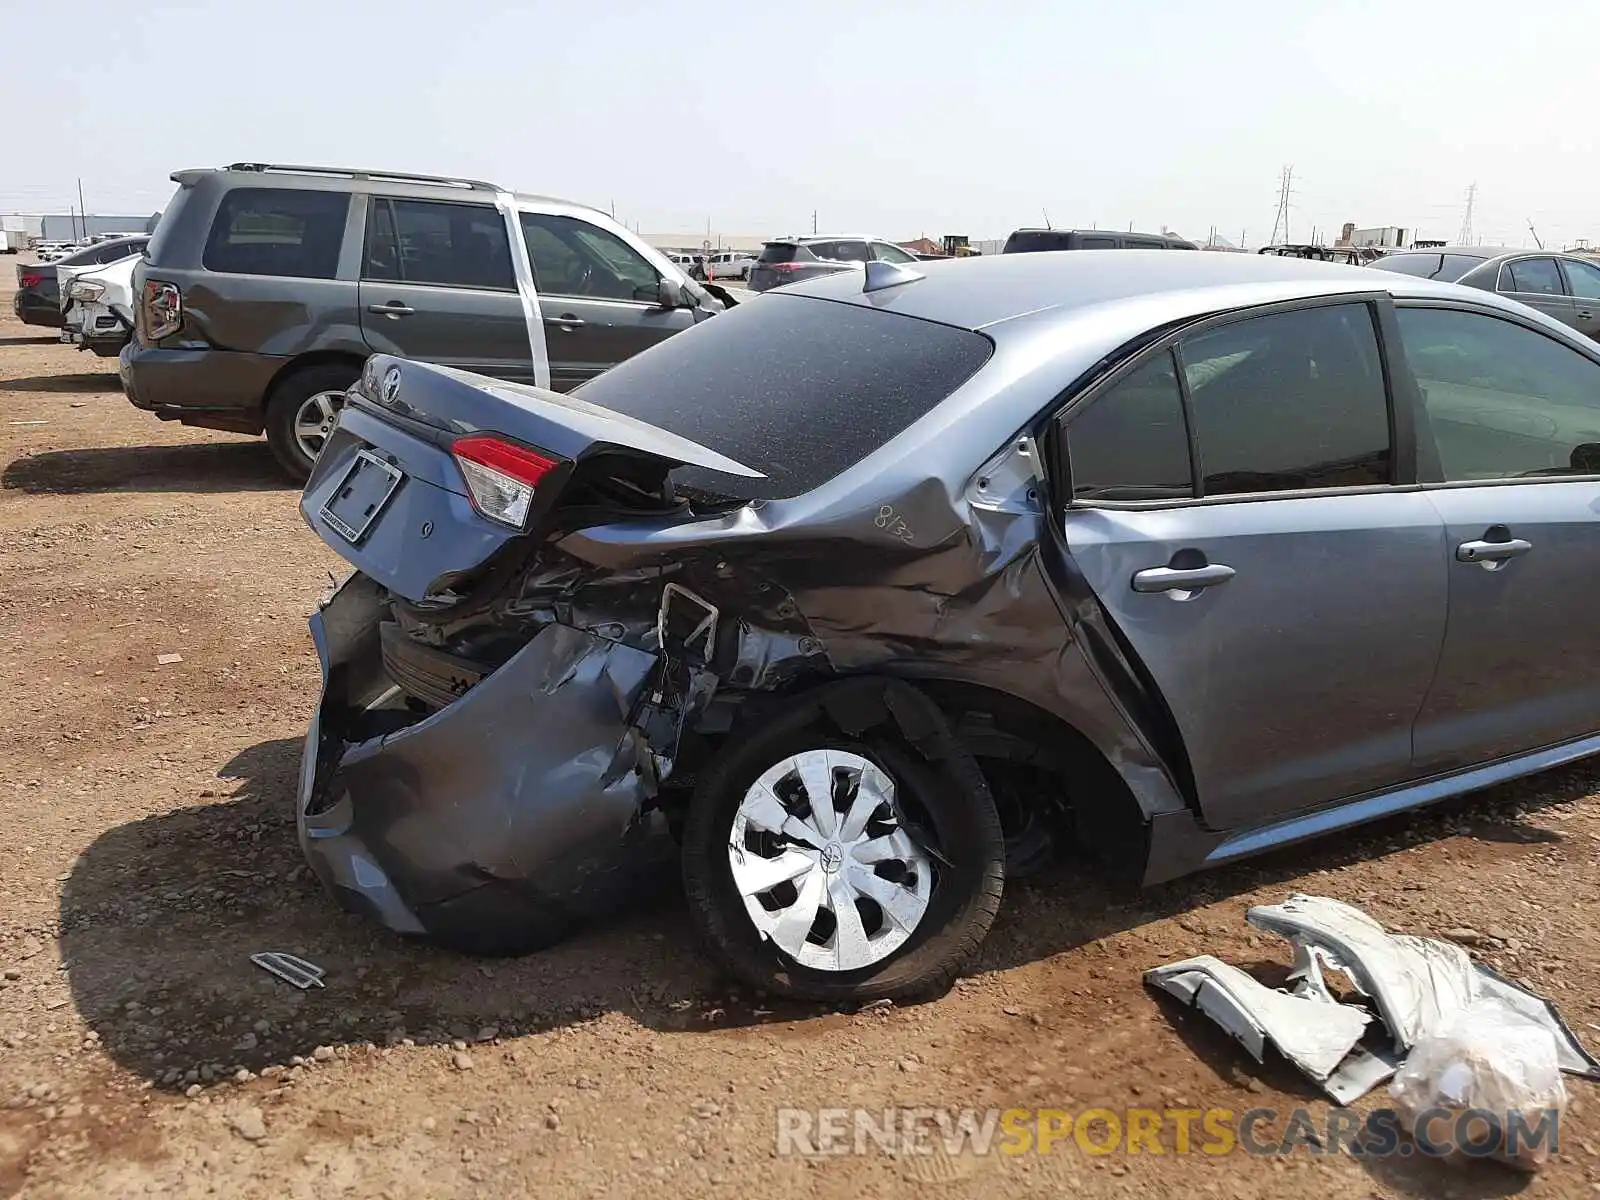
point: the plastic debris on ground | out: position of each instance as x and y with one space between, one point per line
1439 1010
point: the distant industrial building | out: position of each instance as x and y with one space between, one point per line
69 227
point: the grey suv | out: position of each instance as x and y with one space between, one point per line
266 287
791 259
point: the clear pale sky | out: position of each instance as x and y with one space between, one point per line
891 118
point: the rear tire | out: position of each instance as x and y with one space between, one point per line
944 886
290 409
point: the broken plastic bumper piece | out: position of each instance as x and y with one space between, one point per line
1416 986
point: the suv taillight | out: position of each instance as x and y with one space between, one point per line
500 476
162 307
29 281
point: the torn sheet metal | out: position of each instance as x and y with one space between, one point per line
1417 986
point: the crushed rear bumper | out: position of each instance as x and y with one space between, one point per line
521 806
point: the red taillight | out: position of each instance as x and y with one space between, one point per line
500 476
32 280
162 309
788 266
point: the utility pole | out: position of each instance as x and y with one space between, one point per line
1466 220
82 211
1535 233
1281 220
813 220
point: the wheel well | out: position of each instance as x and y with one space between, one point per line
1065 779
316 358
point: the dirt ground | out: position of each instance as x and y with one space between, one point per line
147 849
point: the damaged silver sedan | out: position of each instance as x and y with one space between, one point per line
851 603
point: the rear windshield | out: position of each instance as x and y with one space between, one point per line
1028 240
796 388
777 252
1448 267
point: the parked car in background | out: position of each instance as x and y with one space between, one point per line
1025 241
1565 286
97 306
729 264
692 265
792 259
734 595
266 287
38 297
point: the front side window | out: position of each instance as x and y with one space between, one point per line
1537 276
1130 442
1503 402
277 231
452 245
574 258
1584 278
1289 401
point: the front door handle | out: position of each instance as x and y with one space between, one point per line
392 309
1492 552
1178 579
565 321
1584 314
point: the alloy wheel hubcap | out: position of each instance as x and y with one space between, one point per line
314 421
824 867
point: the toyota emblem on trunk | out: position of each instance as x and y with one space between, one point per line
391 385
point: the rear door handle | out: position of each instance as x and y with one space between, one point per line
565 321
1174 579
1585 314
392 309
1487 552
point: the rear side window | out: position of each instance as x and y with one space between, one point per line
277 231
1289 401
452 245
796 388
1532 275
1090 242
776 252
1130 442
839 251
1025 241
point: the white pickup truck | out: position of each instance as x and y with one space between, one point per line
97 305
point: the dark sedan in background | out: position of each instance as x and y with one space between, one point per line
38 298
1563 285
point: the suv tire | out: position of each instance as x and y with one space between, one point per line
938 798
291 400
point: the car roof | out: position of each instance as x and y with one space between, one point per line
801 238
1153 287
388 183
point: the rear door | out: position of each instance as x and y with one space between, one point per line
1583 282
1537 283
1514 415
437 285
1239 508
600 298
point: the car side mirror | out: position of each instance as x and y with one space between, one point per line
669 294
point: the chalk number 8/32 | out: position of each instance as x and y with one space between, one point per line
888 519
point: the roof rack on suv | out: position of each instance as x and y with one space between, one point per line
476 185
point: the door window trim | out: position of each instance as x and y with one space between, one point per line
374 200
1513 318
1402 428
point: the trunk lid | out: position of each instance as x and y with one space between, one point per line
389 494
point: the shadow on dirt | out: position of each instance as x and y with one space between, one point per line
42 340
159 918
98 382
202 467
